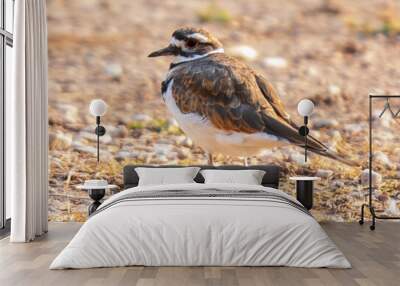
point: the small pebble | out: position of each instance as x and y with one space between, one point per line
60 140
355 127
297 158
275 62
105 139
325 123
382 158
162 149
114 70
324 173
69 112
140 117
376 178
243 52
334 89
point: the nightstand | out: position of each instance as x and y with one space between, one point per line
304 190
96 194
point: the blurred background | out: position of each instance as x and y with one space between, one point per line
334 52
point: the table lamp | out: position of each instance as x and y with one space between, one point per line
98 108
305 109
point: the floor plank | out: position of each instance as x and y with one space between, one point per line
375 257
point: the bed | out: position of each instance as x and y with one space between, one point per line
198 224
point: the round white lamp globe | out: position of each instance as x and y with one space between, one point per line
305 107
98 107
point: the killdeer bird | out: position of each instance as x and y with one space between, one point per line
223 105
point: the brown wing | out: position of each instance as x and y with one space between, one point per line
228 93
273 98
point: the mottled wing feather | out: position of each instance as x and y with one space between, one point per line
273 98
233 97
220 93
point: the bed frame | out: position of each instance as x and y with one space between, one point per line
271 177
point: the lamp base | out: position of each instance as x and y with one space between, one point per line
303 130
100 130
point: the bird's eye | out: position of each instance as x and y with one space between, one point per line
191 43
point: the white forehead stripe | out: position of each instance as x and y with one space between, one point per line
200 37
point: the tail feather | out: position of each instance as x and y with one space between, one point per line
335 156
289 131
319 148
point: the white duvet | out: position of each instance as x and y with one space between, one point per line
200 231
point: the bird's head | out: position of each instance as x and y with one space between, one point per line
190 43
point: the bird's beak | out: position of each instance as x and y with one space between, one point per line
168 51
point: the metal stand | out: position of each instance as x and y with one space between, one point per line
304 193
100 131
370 188
304 131
96 195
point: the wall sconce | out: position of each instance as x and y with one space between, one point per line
305 109
98 108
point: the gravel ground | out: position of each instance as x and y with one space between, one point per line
333 52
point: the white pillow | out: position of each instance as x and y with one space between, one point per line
248 177
166 176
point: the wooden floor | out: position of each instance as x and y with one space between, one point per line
375 257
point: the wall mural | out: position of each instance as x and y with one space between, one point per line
332 52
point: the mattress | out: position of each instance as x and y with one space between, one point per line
201 225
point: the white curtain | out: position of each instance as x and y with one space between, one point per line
26 124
